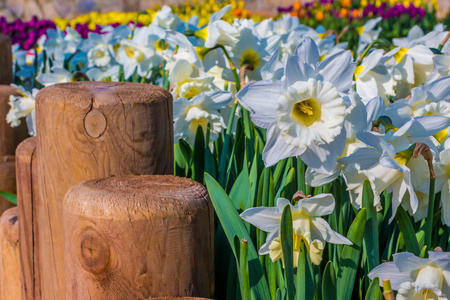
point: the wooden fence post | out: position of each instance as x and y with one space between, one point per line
5 60
26 204
9 251
135 237
88 130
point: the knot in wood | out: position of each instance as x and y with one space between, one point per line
95 123
95 254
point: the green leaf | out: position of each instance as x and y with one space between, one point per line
199 155
374 291
349 262
240 192
9 196
371 231
233 225
304 281
329 282
287 244
407 229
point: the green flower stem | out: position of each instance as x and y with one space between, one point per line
143 12
385 44
243 269
429 222
441 45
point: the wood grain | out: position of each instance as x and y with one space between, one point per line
5 60
10 137
72 147
136 237
9 251
25 157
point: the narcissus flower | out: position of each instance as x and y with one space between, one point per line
307 226
306 110
200 110
417 278
23 107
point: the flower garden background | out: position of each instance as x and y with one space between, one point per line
321 131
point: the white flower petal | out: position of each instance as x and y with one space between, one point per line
265 218
322 229
260 98
320 205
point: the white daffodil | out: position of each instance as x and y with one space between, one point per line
358 119
385 169
186 86
307 226
304 113
441 67
58 75
367 33
442 169
218 31
416 36
429 99
65 42
111 74
251 49
411 68
416 278
23 107
186 51
200 110
99 49
139 52
373 78
166 19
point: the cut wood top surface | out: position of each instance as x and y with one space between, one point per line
103 93
160 194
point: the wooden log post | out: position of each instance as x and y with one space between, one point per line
135 237
9 251
26 204
88 130
5 60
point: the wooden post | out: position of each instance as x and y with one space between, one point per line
26 204
135 237
88 130
5 60
9 251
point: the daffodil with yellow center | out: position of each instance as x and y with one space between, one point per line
250 57
307 226
416 278
310 112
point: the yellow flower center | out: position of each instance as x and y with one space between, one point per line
400 54
360 30
358 70
201 51
306 112
192 92
441 136
250 57
401 158
202 33
129 52
161 45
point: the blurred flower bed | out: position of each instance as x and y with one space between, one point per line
398 17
